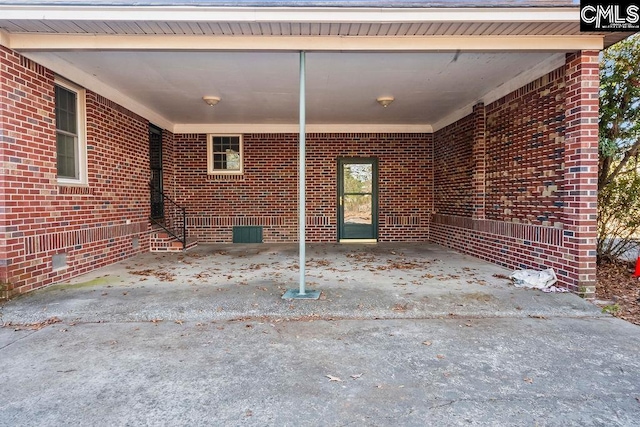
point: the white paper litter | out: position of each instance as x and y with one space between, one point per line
555 289
535 279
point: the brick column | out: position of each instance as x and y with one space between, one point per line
581 171
479 155
5 142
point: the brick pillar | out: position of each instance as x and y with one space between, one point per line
581 171
479 157
6 140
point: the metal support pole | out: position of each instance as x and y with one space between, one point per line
302 292
302 174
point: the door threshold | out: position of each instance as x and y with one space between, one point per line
358 241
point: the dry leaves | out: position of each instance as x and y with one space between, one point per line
615 283
163 276
401 307
333 379
32 326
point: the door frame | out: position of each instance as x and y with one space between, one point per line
374 197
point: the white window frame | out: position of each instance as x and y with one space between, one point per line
210 169
81 105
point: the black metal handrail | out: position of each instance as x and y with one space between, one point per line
174 216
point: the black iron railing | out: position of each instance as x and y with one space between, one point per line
174 216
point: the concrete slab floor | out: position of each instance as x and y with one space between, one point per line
358 281
408 335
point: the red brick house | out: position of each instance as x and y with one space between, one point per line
489 146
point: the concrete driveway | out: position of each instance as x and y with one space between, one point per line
404 334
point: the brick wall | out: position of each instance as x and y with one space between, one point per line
267 193
91 226
540 168
525 151
453 166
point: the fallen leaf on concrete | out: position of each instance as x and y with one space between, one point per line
161 275
148 272
400 307
157 320
440 356
178 321
356 376
32 326
427 343
332 378
528 380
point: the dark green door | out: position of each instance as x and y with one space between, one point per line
357 198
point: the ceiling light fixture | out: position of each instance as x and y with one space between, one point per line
385 100
211 100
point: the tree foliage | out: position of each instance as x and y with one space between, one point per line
619 148
619 219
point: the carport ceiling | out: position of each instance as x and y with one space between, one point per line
262 87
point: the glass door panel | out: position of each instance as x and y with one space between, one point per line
357 192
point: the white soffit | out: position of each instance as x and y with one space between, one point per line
295 28
287 14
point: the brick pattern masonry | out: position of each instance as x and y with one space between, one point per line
267 192
540 169
91 226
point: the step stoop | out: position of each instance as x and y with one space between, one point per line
161 241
